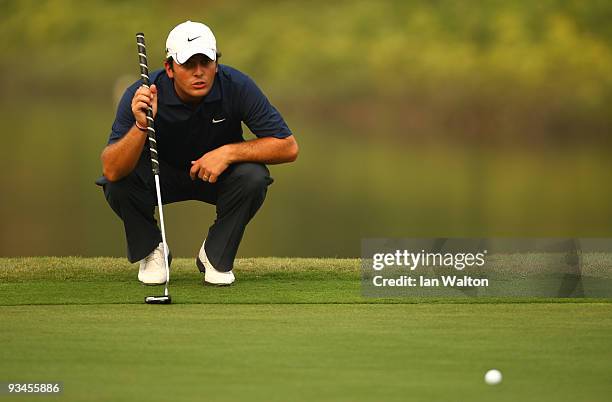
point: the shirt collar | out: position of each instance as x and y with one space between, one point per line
170 97
215 92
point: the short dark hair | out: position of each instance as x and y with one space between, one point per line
170 60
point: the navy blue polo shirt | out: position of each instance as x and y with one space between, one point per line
184 133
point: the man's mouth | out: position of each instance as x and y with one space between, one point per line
199 84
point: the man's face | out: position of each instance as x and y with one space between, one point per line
194 78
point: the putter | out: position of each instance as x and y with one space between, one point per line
144 74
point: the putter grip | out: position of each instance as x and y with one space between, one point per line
144 74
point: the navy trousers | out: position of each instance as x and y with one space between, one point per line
238 193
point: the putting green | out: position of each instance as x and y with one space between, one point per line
255 341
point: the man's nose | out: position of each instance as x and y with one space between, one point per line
198 70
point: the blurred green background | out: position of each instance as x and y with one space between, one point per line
415 118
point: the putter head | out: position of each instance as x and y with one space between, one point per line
158 300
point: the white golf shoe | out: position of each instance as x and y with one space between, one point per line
152 268
211 275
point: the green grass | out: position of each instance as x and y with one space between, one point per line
290 329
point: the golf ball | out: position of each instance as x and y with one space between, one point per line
493 377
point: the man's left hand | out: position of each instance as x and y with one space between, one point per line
210 166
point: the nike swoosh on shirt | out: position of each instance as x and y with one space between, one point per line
218 121
190 39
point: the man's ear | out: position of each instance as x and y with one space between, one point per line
168 69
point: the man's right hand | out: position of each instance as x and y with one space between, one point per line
143 98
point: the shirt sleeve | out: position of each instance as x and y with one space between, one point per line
259 115
124 119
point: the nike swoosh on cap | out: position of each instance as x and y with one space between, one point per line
190 39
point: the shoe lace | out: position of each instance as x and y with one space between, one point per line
157 254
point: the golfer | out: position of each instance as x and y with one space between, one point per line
198 107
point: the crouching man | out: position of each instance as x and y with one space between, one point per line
198 107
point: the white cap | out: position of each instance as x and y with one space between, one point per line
190 38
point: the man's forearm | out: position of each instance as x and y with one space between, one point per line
268 150
120 158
